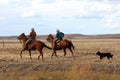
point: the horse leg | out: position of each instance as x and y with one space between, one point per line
41 54
54 52
64 50
72 52
39 57
52 55
21 53
30 54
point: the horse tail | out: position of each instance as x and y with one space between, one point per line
47 47
72 45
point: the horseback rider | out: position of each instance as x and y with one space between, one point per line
32 37
59 37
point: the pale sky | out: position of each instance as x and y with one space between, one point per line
70 16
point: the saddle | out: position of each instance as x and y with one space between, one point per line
57 43
29 43
32 41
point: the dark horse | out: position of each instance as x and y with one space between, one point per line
62 45
36 45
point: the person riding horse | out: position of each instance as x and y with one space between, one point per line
32 37
59 37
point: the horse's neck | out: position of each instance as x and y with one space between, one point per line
52 43
24 41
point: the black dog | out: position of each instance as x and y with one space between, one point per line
102 55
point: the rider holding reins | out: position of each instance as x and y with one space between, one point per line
32 37
59 37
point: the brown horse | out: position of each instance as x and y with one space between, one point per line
62 45
36 45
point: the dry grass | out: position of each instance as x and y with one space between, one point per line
87 65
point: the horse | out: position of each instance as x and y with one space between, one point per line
61 45
35 45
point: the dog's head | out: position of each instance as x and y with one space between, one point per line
98 53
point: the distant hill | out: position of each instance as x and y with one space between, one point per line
74 36
104 36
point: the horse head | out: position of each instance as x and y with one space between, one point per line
50 38
22 37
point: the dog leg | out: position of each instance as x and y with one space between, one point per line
101 57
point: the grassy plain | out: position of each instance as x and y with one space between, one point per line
87 65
